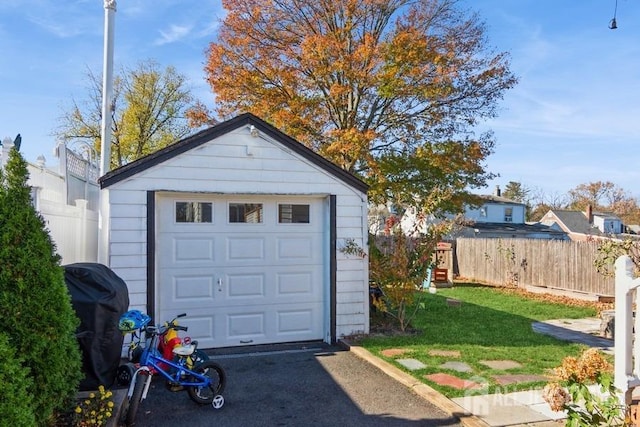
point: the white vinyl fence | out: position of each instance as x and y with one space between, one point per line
67 200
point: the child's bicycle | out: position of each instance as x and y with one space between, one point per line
133 322
203 382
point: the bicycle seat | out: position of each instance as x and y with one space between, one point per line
184 350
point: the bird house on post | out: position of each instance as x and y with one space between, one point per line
443 263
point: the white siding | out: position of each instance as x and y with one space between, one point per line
223 166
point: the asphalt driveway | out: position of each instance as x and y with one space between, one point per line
310 385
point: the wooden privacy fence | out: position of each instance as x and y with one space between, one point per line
555 264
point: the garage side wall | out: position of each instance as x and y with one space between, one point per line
238 163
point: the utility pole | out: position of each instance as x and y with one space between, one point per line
105 155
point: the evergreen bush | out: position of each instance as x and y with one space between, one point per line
34 300
15 405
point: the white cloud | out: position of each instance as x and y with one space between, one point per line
173 34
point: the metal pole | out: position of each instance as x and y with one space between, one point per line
105 155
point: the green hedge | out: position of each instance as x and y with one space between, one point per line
37 314
16 404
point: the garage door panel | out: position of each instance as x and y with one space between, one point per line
245 326
294 283
188 250
193 287
245 286
294 248
245 248
295 321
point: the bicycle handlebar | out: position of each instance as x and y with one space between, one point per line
163 329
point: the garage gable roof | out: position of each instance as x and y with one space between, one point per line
220 129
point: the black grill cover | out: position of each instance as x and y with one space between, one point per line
99 297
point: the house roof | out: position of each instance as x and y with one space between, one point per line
492 198
220 129
574 222
518 229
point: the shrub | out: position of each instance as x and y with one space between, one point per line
34 301
16 403
398 265
570 391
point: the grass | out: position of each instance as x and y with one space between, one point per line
488 325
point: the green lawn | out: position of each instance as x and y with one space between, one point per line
489 325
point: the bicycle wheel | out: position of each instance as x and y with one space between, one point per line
136 398
205 395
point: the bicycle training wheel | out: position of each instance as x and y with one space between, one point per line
134 402
205 395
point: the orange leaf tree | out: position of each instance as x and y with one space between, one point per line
391 90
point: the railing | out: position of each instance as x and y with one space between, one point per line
627 349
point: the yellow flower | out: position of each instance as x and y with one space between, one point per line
101 388
92 395
110 404
78 409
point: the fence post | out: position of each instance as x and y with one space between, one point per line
626 370
81 242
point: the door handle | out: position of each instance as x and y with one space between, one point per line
219 284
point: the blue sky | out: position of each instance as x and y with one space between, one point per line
573 118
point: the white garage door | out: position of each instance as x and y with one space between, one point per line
246 270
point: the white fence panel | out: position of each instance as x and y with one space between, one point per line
74 229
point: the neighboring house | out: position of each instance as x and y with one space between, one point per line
587 225
240 226
67 199
497 217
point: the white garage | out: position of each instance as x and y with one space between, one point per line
240 227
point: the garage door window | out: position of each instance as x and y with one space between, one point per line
245 212
293 214
194 212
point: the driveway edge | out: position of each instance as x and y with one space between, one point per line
421 389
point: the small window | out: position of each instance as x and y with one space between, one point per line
197 212
293 214
508 214
245 212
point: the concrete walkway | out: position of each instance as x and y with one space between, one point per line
477 409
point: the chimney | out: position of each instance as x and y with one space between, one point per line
589 214
497 192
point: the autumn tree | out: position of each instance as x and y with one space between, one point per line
390 90
151 108
593 193
606 196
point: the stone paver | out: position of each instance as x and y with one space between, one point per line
411 364
444 353
518 378
457 366
502 365
393 352
499 410
453 381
